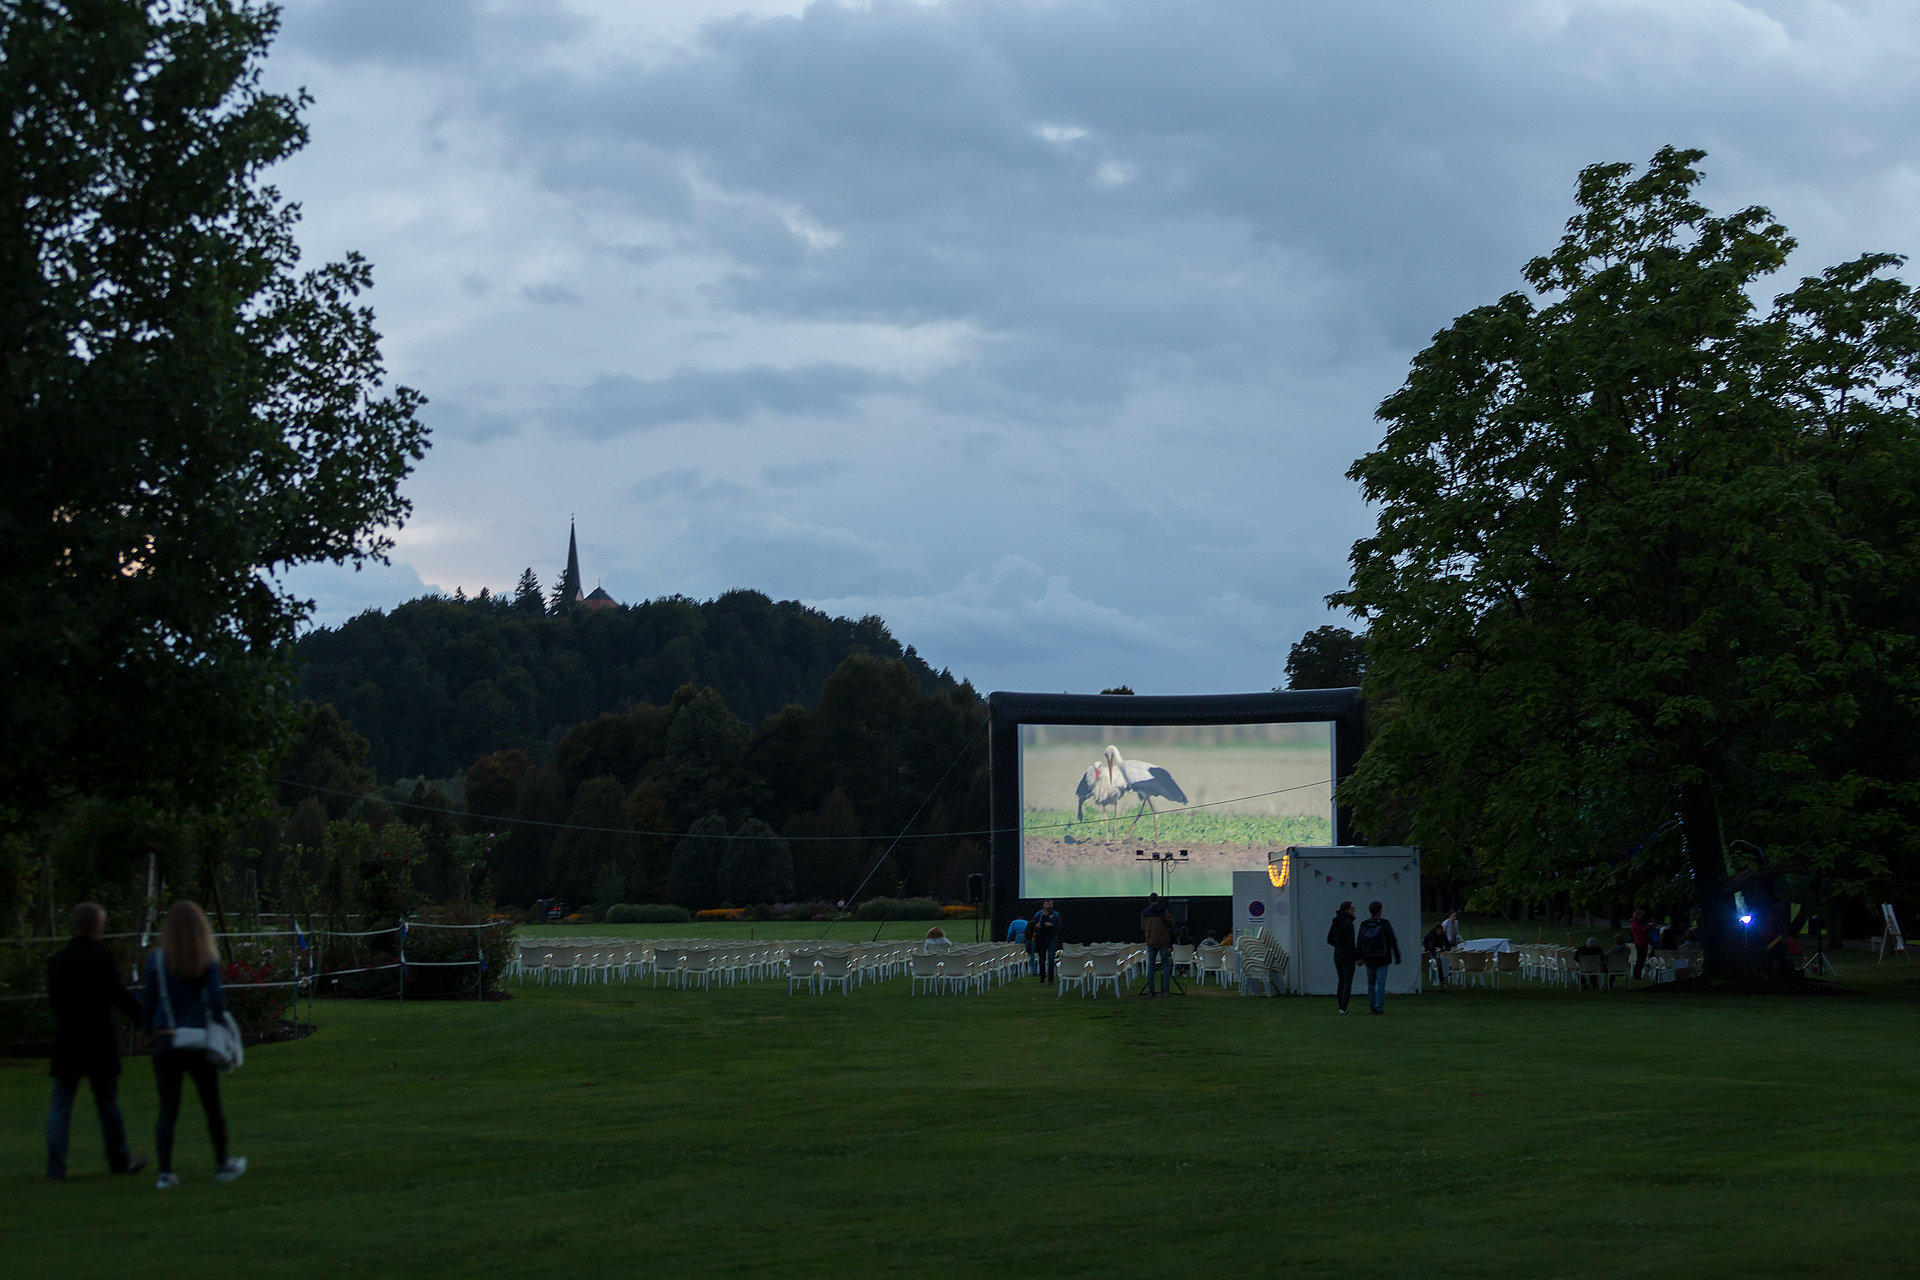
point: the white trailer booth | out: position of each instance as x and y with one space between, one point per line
1295 898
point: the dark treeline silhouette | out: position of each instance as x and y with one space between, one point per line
670 798
439 682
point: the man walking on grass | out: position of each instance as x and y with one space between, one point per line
1378 950
83 985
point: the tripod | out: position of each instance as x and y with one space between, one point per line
1178 988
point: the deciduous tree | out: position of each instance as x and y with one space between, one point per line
1636 550
183 411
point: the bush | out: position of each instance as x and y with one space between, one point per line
897 909
721 913
647 913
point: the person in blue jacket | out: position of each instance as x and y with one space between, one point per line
182 989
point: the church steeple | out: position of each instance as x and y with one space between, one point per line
570 584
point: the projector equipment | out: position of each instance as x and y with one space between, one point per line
1177 910
1166 862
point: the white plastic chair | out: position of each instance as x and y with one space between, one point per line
1102 966
835 966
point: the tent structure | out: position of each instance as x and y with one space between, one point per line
1296 898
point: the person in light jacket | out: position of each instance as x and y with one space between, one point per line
183 977
1340 938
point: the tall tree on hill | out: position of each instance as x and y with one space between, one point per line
1636 555
526 595
1327 658
183 412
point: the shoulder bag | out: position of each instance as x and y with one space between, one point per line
219 1040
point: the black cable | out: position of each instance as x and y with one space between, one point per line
681 835
852 897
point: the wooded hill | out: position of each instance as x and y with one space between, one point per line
439 682
792 746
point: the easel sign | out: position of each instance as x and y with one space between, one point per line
1890 939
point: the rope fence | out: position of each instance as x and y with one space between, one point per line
308 946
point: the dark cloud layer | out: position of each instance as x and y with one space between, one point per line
1047 331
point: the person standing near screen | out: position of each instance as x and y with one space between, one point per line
1340 938
1157 930
1046 939
1379 950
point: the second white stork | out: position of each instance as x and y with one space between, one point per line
1147 781
1097 784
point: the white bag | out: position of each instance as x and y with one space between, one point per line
224 1047
219 1039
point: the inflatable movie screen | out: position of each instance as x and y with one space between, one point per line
1093 796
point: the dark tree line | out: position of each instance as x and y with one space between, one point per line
688 802
438 682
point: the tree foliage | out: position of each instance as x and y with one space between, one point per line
1327 658
435 683
1646 550
182 410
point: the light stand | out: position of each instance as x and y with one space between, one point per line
1166 862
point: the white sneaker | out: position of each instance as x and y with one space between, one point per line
1341 1011
231 1169
166 1181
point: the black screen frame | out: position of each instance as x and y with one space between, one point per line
1117 919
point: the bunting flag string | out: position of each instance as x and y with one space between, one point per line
1308 868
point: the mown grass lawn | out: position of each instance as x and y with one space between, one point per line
622 1130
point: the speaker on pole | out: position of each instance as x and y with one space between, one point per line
976 888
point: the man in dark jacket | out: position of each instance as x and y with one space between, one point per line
1340 938
1378 949
1157 928
1045 933
83 984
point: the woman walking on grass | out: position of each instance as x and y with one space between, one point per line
182 989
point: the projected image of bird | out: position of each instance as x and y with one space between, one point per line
1147 781
1097 784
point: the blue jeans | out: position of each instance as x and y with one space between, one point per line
113 1126
1377 987
1160 958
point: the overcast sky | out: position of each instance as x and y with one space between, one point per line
1045 331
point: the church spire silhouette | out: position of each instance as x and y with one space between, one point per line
570 584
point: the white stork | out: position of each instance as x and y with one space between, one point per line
1097 784
1147 781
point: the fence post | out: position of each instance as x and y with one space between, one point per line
403 959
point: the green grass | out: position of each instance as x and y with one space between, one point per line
623 1130
1197 826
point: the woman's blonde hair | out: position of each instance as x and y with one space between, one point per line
186 940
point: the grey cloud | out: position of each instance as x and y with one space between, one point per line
804 474
423 32
463 417
687 484
616 404
1383 164
550 294
809 559
400 31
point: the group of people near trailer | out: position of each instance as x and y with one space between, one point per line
182 1009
